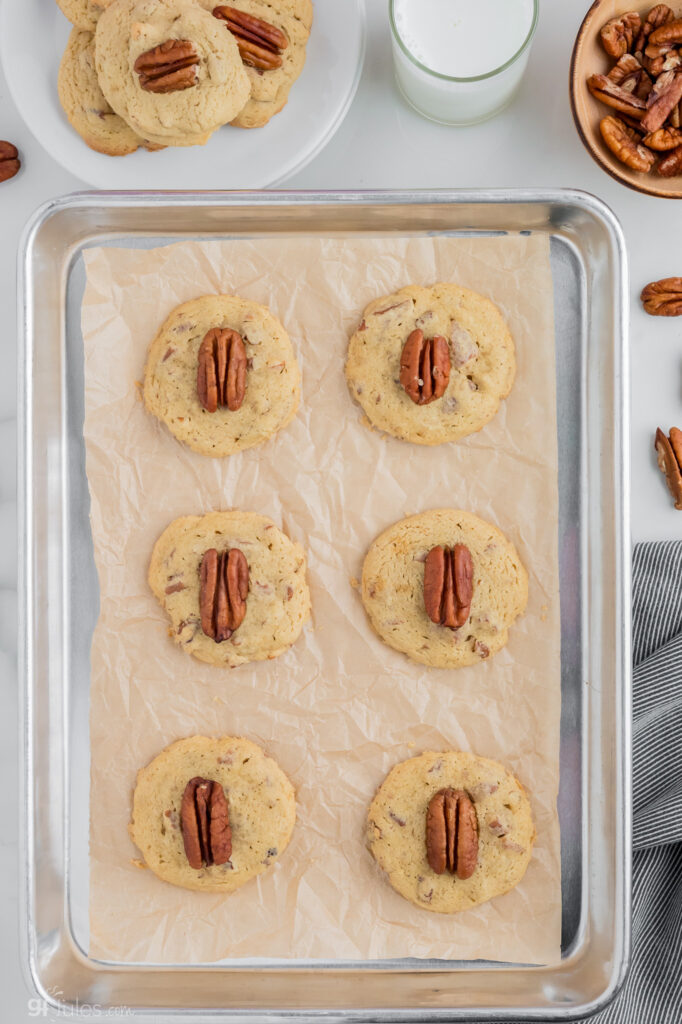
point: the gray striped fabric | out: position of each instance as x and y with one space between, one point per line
652 993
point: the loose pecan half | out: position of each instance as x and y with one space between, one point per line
221 370
448 585
9 161
619 34
205 823
425 367
663 298
657 16
671 164
670 32
452 833
624 144
260 43
629 74
663 98
663 139
669 455
224 587
602 88
170 67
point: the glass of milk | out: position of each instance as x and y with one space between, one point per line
460 61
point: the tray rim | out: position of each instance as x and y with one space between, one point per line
301 198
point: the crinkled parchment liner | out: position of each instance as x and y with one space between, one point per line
340 708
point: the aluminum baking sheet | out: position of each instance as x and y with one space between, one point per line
59 590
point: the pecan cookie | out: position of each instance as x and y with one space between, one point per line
272 37
84 14
196 349
444 587
84 103
392 374
451 830
233 586
211 814
169 69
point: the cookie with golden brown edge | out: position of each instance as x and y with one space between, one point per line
271 381
251 616
451 629
245 823
85 105
169 69
272 36
463 356
451 830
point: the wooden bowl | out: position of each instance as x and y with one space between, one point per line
589 58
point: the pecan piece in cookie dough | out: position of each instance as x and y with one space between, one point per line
224 588
448 585
170 67
260 44
669 455
624 143
221 370
9 161
619 34
452 833
663 298
205 824
425 367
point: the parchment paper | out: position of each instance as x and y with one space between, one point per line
340 708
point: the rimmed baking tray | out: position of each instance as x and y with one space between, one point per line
58 609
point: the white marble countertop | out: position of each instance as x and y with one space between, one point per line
382 144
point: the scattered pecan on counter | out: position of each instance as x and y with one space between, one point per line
663 298
669 455
9 161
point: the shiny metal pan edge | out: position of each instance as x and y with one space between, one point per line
590 272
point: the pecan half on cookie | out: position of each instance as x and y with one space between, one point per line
205 823
452 833
448 585
425 367
221 370
170 67
260 43
224 588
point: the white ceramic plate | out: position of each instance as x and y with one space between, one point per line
33 35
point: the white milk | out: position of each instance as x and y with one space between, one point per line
460 39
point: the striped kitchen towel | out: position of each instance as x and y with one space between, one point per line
653 990
652 993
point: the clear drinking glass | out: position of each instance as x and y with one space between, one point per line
451 100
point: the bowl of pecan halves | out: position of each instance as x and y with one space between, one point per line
626 93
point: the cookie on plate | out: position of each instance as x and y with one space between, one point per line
84 103
444 587
84 14
451 830
430 365
200 345
272 37
233 586
169 69
211 814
